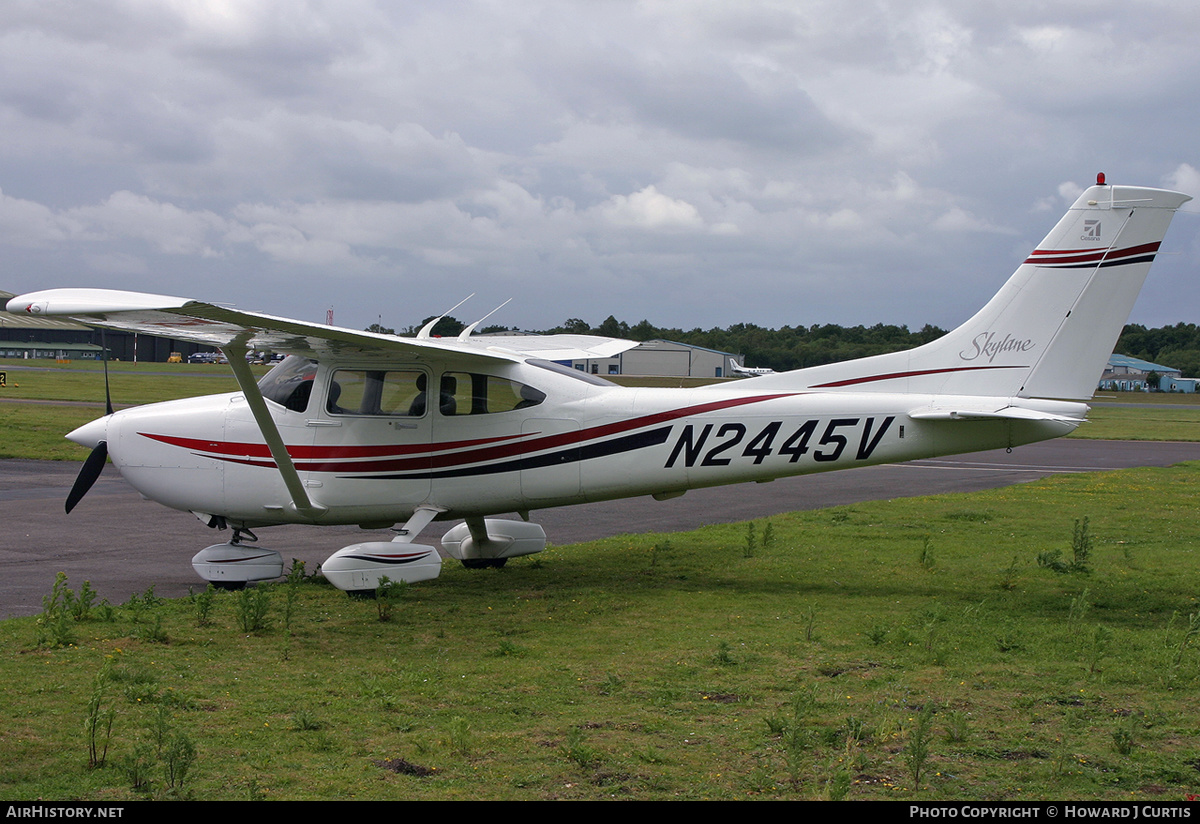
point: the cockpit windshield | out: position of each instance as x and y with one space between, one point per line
290 382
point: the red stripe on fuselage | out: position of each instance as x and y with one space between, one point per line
1049 256
261 450
318 458
894 375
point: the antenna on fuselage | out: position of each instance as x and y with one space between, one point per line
466 332
427 329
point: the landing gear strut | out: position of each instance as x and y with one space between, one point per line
488 543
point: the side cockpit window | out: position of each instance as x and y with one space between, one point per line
290 383
468 393
386 392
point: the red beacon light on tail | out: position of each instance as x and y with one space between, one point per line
1100 178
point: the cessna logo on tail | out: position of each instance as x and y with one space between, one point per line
986 346
1091 230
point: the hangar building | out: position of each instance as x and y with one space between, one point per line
1128 374
663 358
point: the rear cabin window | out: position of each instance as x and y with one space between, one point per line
468 393
384 392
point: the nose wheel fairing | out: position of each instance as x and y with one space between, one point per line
234 564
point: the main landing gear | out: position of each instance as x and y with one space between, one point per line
479 544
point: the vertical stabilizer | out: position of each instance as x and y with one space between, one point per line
1050 329
1093 266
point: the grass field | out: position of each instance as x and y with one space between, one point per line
34 431
1142 422
974 646
131 383
896 650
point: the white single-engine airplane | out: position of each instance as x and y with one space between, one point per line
370 429
748 371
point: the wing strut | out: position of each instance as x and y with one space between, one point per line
420 519
236 356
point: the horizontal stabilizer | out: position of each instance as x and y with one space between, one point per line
1016 413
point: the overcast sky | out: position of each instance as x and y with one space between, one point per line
691 163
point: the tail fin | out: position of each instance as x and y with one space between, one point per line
1050 329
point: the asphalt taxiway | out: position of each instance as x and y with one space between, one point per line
122 543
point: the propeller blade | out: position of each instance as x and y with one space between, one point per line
91 470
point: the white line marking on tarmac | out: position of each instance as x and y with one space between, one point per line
1000 467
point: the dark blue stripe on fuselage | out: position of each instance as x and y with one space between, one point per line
574 454
1102 264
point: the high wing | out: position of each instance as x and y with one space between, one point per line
221 326
474 427
232 330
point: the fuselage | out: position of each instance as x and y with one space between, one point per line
372 442
364 428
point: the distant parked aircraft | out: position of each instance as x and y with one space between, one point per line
748 371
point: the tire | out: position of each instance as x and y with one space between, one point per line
484 563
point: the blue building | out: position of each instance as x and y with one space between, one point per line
1128 374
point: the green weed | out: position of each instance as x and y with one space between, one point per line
387 595
56 625
768 536
253 603
925 558
1124 736
916 751
178 759
957 726
577 751
1081 552
461 737
839 785
202 604
724 655
98 720
1008 578
137 766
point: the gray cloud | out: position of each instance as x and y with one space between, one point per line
694 164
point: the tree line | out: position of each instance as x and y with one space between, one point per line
798 347
1176 346
789 347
